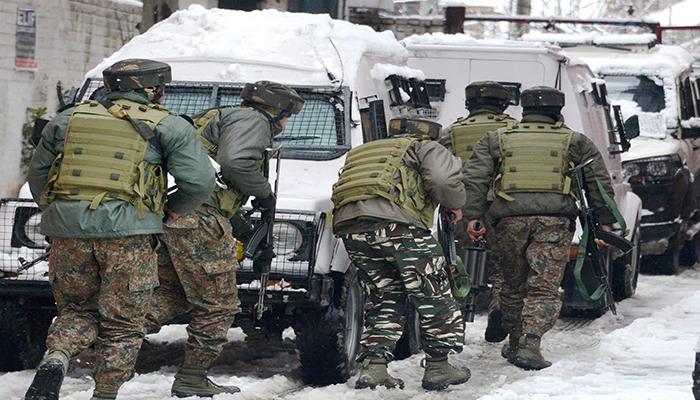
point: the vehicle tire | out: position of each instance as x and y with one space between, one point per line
690 253
22 336
625 272
328 339
667 263
409 343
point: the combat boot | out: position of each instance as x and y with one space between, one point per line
49 377
439 374
510 349
494 327
374 373
193 381
101 395
529 356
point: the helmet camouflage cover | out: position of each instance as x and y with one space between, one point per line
488 90
136 73
273 94
414 126
541 96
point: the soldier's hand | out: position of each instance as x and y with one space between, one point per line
170 215
263 258
476 229
453 214
266 203
600 242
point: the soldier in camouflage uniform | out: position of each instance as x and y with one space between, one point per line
384 203
486 102
518 177
99 175
197 264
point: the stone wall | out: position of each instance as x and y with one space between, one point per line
72 36
401 25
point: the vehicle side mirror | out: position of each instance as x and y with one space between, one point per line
631 127
373 120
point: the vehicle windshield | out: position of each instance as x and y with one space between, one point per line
319 132
647 94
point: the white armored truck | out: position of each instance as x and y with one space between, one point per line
342 71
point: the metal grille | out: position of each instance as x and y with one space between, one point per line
295 236
20 237
321 131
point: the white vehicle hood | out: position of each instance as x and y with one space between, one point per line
306 185
644 147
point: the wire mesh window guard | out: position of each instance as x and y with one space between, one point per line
321 131
20 237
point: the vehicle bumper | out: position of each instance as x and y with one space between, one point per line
656 236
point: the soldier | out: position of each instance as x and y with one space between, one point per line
197 266
486 102
524 170
99 176
384 204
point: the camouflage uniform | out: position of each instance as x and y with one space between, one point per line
530 296
534 226
101 288
103 264
486 102
399 262
197 272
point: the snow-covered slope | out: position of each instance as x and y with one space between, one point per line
645 353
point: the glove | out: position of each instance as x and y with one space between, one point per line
267 203
263 258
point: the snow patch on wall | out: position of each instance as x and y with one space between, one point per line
382 71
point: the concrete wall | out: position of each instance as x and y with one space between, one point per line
401 25
72 37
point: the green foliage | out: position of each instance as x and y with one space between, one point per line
27 148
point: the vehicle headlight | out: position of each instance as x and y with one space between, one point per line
287 238
631 169
657 168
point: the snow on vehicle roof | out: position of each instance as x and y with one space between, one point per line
462 39
590 38
239 46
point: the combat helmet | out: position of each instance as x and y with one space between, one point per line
414 126
136 73
273 95
542 97
486 93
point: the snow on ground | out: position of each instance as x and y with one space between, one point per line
645 352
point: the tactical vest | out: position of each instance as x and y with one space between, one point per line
375 169
103 159
534 158
465 132
228 199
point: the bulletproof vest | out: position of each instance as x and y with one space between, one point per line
103 159
534 158
375 169
465 132
228 199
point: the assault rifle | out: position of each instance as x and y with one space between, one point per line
262 237
475 257
458 277
25 265
588 248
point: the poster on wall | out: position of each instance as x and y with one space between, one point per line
25 39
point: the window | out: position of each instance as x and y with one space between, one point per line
648 95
